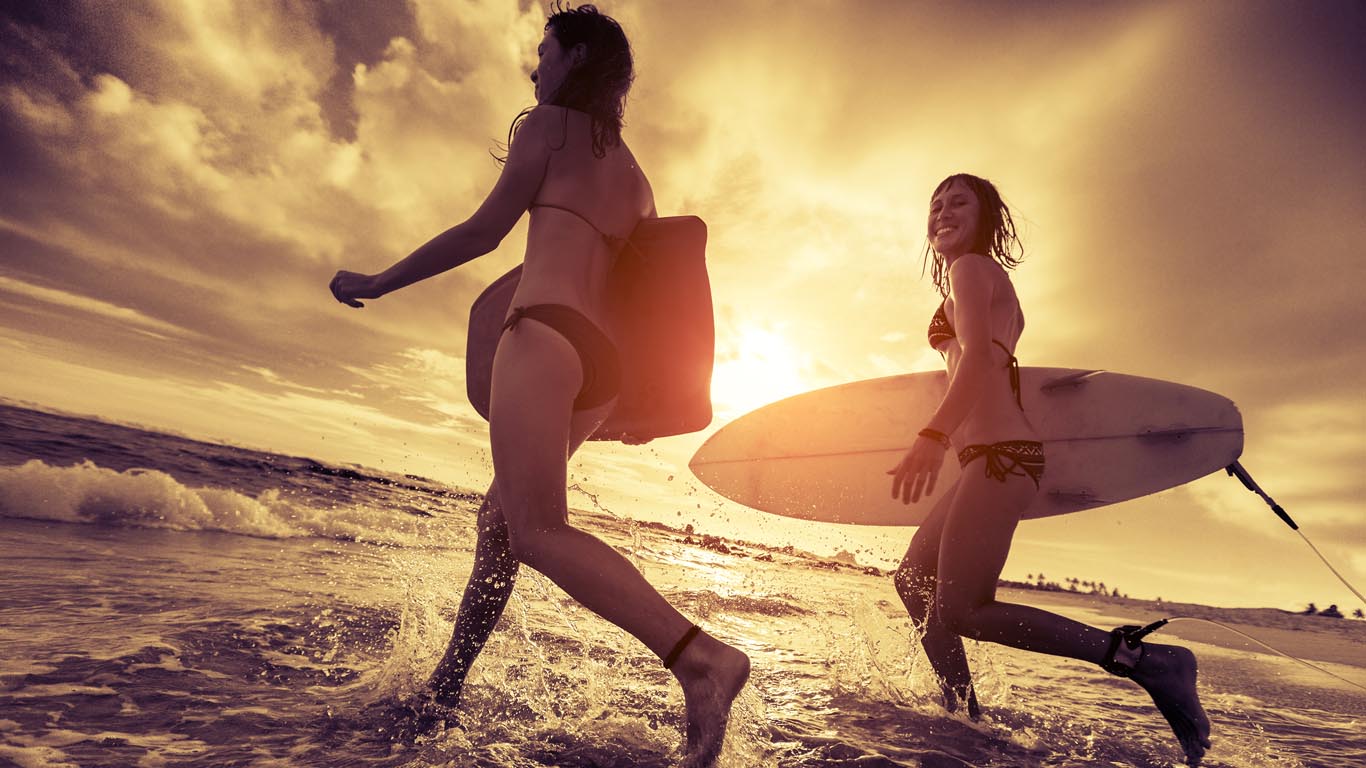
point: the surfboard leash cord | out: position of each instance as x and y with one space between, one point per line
1265 645
1236 470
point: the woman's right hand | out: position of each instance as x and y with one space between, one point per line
347 287
915 474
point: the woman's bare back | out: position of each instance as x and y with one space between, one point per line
566 260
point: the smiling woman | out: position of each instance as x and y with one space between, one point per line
765 367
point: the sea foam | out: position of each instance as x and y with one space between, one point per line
148 498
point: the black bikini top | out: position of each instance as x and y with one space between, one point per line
941 331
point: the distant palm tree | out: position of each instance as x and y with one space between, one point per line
1357 614
1310 610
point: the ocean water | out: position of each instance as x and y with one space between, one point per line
167 602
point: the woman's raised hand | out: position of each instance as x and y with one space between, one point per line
347 287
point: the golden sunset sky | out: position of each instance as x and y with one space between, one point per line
181 180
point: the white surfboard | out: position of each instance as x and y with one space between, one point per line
1108 437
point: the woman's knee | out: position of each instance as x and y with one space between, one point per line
916 590
529 543
956 614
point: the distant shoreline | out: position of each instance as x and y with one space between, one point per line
1317 638
1049 592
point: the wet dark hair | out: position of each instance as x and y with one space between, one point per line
995 237
598 85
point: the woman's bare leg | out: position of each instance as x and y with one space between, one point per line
490 584
973 549
486 595
915 581
536 377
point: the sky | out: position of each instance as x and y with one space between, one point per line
181 180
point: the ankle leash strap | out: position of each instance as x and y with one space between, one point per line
1131 636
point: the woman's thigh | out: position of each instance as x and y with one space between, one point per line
922 556
978 530
532 423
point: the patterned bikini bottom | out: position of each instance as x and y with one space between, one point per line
1006 458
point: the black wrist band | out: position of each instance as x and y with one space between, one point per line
935 435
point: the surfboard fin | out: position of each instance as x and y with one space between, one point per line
1082 498
1070 380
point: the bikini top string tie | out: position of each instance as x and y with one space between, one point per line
617 244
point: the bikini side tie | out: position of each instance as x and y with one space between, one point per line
996 461
517 314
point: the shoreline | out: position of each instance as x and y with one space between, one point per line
1311 637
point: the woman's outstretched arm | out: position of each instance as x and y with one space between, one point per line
528 158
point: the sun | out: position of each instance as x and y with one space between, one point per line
765 367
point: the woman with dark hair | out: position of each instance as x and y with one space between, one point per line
947 579
555 373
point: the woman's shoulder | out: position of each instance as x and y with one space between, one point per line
541 119
981 273
555 126
975 267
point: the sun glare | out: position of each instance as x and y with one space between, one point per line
765 368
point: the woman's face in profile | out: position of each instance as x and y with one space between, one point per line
553 63
954 214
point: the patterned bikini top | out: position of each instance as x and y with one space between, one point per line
941 331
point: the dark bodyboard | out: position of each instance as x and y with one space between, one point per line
660 308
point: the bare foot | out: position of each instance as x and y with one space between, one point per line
712 674
445 685
952 697
1167 673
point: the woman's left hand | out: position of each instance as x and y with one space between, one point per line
919 468
347 287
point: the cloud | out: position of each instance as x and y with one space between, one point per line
188 150
105 310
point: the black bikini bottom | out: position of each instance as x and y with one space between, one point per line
1010 457
597 355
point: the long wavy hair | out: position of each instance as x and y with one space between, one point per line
995 237
598 85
